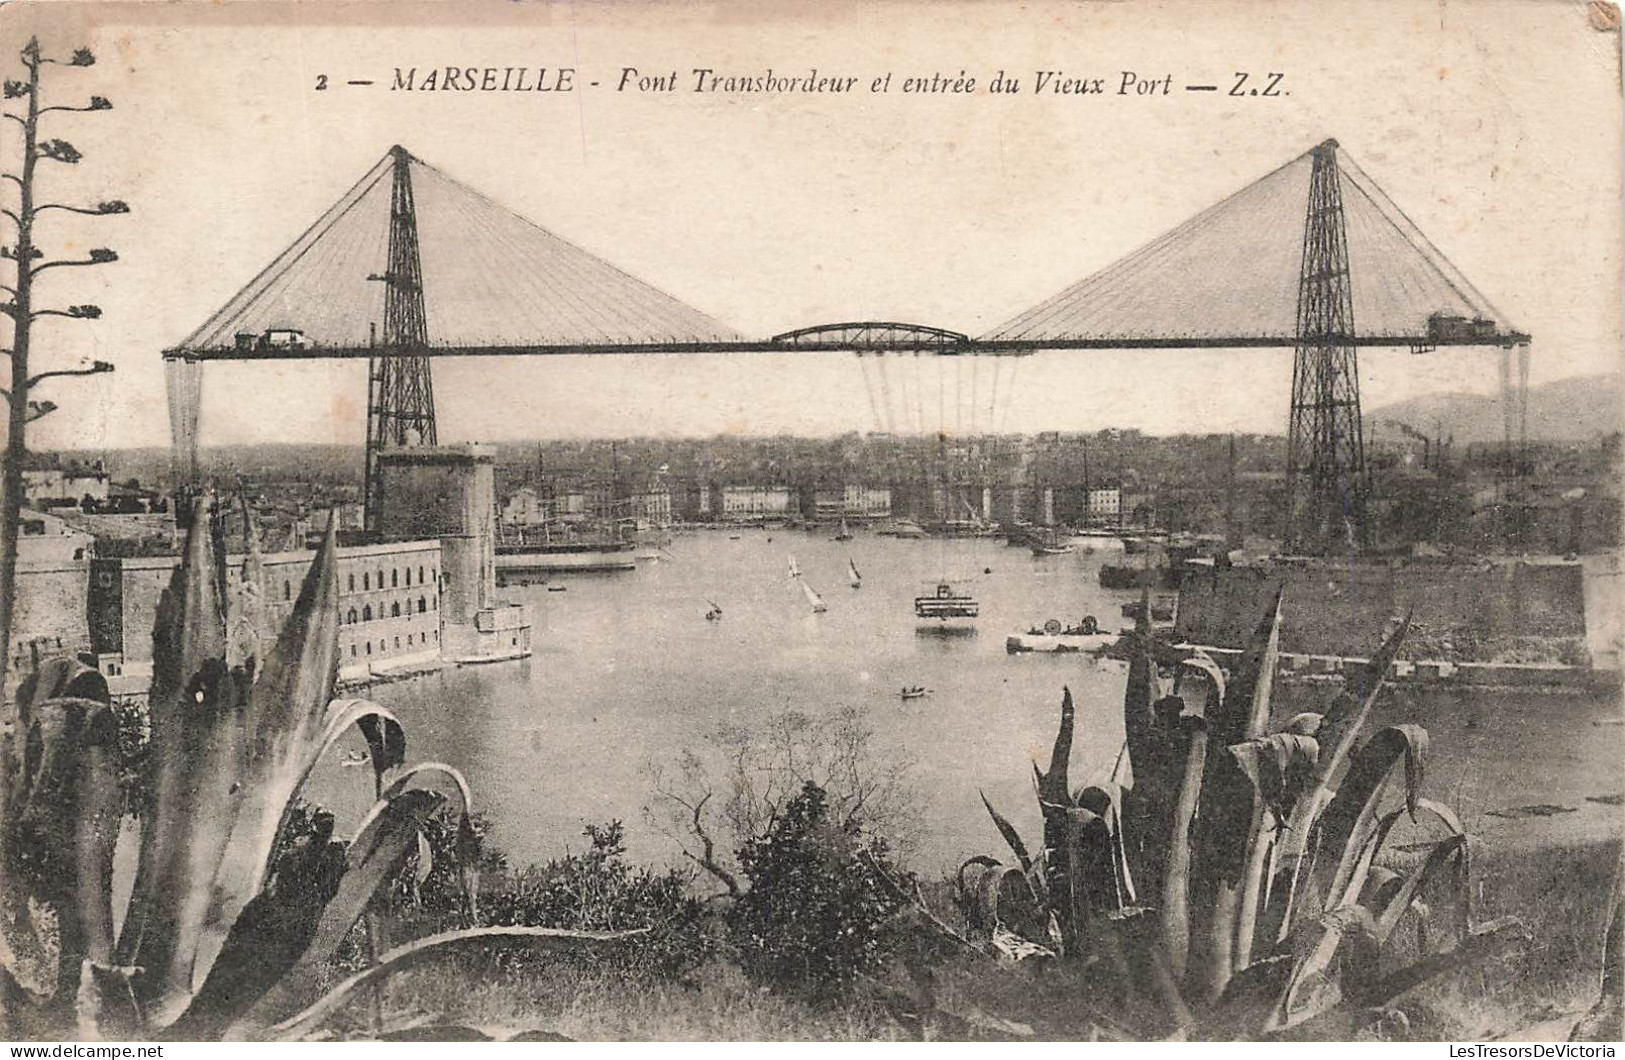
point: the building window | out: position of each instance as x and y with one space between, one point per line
420 575
352 651
369 647
395 610
383 646
423 605
287 590
350 618
397 644
366 613
409 640
394 577
437 636
352 581
366 580
380 577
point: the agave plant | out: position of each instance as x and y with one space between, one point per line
1236 879
231 915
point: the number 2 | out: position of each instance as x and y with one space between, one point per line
321 82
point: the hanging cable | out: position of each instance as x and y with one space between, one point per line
869 390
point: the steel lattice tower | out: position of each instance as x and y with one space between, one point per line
400 389
1326 473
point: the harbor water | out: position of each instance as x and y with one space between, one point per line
628 673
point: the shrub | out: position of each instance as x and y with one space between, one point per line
599 890
820 910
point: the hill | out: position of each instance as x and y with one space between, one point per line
1565 410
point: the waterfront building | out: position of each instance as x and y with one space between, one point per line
755 503
389 607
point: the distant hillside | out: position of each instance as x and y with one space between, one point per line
1567 410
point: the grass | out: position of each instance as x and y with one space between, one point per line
717 1003
1561 894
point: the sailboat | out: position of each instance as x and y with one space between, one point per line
816 601
795 571
852 574
843 534
715 614
1051 543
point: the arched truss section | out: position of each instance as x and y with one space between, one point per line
878 336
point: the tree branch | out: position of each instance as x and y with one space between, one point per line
101 209
103 257
96 103
96 368
708 862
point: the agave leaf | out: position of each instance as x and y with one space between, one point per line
1139 697
1230 813
1203 663
1395 905
1052 786
1316 984
1004 899
194 705
250 627
1276 764
388 833
966 890
1011 836
1481 943
1246 705
271 932
1312 988
1351 815
57 844
1307 723
1176 885
294 720
404 956
1338 735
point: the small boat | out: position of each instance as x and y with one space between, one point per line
733 537
715 614
843 534
556 588
853 576
795 571
914 692
813 599
1050 543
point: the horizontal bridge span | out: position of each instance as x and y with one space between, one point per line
813 340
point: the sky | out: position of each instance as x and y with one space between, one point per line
1495 125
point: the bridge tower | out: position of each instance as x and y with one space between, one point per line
400 389
1326 472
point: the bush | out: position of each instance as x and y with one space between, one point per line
819 911
599 890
